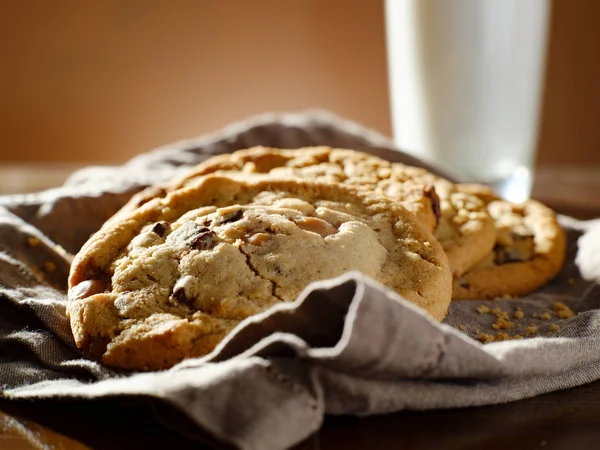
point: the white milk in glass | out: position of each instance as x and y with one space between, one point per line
466 81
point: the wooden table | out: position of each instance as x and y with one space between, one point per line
567 419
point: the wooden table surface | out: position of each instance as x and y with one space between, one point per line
568 419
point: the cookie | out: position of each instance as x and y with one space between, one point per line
464 226
529 252
466 230
170 279
317 163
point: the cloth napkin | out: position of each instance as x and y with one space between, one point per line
346 346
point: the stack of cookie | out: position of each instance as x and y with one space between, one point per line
182 264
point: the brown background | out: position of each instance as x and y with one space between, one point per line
100 81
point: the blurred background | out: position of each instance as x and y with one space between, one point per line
101 81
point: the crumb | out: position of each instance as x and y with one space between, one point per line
33 241
496 311
482 309
503 323
485 338
519 314
517 336
49 266
502 315
534 315
545 316
554 328
462 327
502 337
563 311
530 330
565 314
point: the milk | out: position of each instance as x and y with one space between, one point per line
466 79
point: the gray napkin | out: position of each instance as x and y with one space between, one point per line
346 346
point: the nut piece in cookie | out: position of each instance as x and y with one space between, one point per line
465 229
181 272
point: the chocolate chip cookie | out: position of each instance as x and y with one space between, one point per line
529 252
463 225
318 163
169 279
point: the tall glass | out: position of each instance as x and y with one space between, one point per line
466 79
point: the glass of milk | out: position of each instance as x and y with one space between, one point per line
466 79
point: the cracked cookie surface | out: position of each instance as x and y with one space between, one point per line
459 220
171 278
529 252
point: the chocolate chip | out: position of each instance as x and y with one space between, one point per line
159 228
435 202
204 240
232 216
504 255
96 273
179 295
181 290
186 232
194 236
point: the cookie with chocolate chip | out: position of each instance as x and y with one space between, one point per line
529 252
319 163
170 279
459 220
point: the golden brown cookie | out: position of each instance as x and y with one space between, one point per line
168 280
529 252
463 225
465 228
318 163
